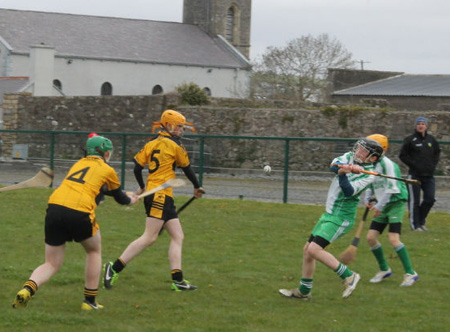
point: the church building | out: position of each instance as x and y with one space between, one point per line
80 55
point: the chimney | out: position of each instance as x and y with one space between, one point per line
41 69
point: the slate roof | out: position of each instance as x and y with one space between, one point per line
114 38
403 85
12 84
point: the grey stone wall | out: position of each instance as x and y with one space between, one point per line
134 115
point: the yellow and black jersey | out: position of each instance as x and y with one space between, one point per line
83 183
162 154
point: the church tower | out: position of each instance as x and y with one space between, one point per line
230 19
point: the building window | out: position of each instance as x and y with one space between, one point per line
207 91
157 89
57 84
106 89
229 33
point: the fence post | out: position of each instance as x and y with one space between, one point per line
201 160
52 152
286 171
122 164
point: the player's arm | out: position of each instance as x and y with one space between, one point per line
190 174
138 174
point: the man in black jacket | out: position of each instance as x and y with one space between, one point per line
420 152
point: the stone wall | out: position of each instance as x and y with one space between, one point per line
135 114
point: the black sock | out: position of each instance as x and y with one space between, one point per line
31 286
90 294
118 265
177 275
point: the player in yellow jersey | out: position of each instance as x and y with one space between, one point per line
161 154
71 217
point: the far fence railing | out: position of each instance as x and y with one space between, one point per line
216 154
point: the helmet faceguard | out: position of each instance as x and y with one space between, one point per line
366 148
173 122
98 146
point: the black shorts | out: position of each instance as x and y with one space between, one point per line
160 206
393 228
63 224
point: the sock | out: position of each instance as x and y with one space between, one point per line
90 294
404 257
118 265
379 255
177 275
305 286
343 271
31 286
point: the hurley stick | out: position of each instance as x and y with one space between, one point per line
349 254
42 179
408 181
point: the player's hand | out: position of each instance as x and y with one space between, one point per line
356 169
344 169
376 212
133 197
198 192
140 191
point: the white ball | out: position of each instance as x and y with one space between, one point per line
267 169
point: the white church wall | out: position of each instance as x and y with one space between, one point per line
84 77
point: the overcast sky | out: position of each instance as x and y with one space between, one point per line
411 36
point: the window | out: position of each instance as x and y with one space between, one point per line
106 89
57 84
207 91
229 33
157 89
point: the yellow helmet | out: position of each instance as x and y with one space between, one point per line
170 119
173 122
383 140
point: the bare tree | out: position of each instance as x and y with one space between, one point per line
298 71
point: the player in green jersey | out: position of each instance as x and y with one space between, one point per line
339 217
391 196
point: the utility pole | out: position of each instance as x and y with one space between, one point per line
362 62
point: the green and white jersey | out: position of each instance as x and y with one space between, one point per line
387 190
343 208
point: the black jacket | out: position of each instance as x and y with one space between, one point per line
420 154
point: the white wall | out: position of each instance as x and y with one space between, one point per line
85 77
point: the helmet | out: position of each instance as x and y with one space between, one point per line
171 120
366 148
383 140
98 145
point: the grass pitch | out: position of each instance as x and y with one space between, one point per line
239 253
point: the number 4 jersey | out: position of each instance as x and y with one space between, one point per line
83 184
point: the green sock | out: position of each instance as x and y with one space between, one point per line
305 286
343 271
404 257
379 255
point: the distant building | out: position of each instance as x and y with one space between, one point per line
390 89
81 55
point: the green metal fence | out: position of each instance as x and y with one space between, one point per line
207 152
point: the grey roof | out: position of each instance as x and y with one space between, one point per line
403 85
12 84
115 38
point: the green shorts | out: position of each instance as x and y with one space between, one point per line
331 227
392 213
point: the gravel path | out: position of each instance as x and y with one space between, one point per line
257 186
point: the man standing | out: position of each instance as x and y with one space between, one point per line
420 152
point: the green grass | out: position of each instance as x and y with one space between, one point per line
239 253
